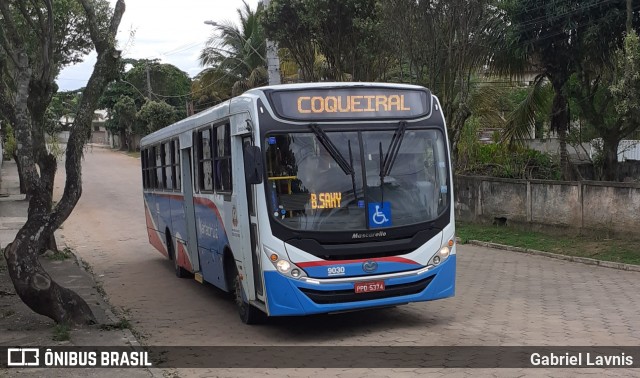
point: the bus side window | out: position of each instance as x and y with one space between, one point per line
152 167
176 164
168 168
205 166
223 159
159 164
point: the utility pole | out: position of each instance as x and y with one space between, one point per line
273 63
148 81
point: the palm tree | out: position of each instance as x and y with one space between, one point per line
239 52
552 37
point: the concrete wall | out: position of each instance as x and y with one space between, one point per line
585 205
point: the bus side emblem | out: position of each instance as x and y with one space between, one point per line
234 217
370 266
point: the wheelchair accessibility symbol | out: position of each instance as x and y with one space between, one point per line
379 214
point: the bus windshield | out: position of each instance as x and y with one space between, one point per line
310 187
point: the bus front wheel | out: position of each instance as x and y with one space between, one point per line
248 314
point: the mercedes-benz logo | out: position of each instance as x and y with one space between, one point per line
370 266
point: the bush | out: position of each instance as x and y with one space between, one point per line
500 160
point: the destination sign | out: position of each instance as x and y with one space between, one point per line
326 200
349 103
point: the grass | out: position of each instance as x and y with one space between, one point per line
122 324
616 250
61 255
134 154
61 332
7 314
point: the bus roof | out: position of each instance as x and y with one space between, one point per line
222 110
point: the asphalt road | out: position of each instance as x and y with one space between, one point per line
503 298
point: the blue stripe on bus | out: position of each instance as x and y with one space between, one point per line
210 230
285 298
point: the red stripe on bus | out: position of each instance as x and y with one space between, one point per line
154 239
183 258
199 201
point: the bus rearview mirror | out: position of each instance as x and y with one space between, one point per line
253 164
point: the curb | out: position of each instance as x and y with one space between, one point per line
582 260
131 339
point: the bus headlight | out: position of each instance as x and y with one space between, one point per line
283 266
442 254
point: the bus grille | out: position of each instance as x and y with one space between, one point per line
343 296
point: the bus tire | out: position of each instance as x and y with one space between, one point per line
249 314
179 271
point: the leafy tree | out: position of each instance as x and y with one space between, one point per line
166 82
61 110
155 115
291 24
125 96
36 39
442 45
210 87
331 39
608 96
553 37
122 120
239 52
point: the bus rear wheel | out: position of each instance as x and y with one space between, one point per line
249 314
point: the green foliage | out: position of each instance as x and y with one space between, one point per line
61 111
329 39
125 98
590 245
625 88
168 83
238 52
120 325
9 141
211 87
501 160
61 255
61 332
155 115
532 108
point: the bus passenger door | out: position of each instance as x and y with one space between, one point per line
189 210
253 230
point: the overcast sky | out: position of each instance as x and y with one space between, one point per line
172 31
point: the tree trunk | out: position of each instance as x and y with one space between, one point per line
560 124
123 141
23 188
610 161
36 288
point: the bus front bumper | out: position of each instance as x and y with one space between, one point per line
289 297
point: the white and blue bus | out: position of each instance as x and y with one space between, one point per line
308 198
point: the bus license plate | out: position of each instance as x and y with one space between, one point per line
369 287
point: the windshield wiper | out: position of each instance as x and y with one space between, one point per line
392 154
332 149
